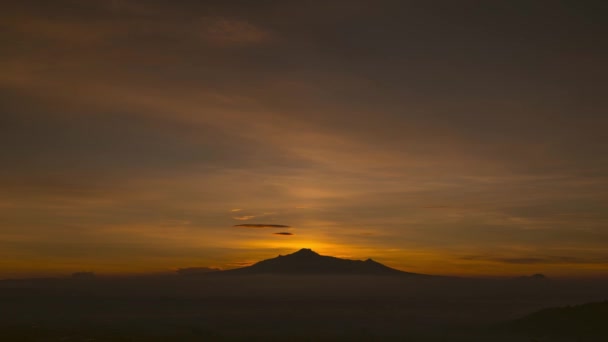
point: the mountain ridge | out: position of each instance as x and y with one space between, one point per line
307 261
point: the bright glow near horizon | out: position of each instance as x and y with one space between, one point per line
394 137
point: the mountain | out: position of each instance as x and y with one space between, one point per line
586 322
306 261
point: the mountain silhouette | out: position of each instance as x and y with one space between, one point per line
586 322
306 261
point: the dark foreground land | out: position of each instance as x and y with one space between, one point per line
297 307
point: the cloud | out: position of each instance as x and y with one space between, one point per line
261 225
244 217
99 132
554 260
283 233
239 264
525 261
248 216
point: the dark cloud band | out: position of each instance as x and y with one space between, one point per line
261 226
555 260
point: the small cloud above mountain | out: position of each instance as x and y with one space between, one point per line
244 217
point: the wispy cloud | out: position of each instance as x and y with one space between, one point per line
261 225
241 263
553 260
251 215
232 133
283 233
244 217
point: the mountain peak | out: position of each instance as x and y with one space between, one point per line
306 251
307 261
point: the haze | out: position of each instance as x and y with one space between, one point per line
455 138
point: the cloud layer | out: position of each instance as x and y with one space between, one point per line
379 129
261 225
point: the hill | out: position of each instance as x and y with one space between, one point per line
586 322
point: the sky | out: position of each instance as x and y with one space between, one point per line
441 137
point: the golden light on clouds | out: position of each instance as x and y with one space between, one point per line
149 147
243 218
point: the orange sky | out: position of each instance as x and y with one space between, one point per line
435 139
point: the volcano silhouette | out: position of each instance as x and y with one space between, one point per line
306 261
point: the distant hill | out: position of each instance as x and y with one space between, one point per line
586 322
306 261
